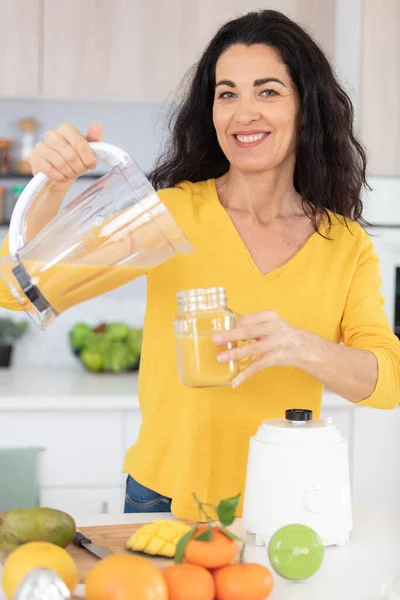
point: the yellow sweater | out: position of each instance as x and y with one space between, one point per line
196 440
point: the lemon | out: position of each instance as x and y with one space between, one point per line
35 555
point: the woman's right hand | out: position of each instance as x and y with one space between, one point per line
65 154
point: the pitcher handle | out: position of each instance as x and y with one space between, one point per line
107 153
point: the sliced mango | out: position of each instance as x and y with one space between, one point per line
159 538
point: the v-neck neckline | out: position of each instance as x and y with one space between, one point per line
238 240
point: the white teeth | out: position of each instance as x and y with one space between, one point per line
250 138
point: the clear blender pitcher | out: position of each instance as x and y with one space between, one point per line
114 231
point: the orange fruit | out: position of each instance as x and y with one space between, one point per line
125 577
189 581
218 552
248 581
34 555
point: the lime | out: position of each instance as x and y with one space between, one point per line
296 552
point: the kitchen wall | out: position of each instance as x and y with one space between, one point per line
360 47
140 129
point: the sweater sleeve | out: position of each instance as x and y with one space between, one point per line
365 326
7 300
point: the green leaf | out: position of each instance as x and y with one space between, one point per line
181 545
205 536
226 510
230 535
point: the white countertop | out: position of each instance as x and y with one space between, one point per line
49 388
63 388
352 572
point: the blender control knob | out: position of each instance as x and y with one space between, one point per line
313 501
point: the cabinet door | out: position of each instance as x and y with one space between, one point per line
317 17
81 449
19 67
380 90
84 501
121 49
376 458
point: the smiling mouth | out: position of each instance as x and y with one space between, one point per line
250 139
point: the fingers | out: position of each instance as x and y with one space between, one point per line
43 165
95 132
52 163
258 317
251 349
64 154
244 351
245 332
79 143
267 360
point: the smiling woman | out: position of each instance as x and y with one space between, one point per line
255 113
263 174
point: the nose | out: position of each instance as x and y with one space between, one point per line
247 112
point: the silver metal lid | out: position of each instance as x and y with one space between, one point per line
42 584
202 298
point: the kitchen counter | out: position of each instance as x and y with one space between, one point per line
66 389
49 407
76 389
355 571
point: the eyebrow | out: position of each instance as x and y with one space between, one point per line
257 82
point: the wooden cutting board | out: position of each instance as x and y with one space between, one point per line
113 537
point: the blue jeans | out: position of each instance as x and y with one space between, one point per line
140 499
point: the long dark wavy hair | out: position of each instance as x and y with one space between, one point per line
330 162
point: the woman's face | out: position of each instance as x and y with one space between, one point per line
255 108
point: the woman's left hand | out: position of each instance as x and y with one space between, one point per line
267 337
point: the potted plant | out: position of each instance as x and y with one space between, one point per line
10 332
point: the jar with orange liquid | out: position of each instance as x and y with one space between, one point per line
202 313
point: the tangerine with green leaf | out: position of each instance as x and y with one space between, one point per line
212 553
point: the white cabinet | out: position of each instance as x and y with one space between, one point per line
376 459
19 66
83 453
132 421
80 448
84 501
380 89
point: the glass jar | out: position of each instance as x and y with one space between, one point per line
201 314
1 203
5 166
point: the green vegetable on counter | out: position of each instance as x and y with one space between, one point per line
113 347
79 335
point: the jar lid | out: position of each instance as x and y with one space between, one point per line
298 414
296 552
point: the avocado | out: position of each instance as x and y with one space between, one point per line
38 525
8 543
